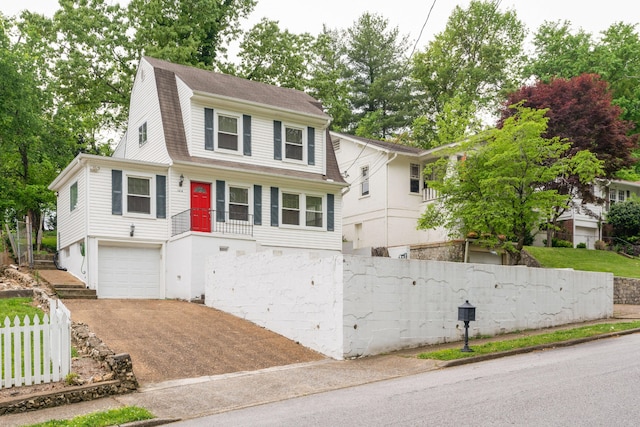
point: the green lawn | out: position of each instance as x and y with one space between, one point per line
529 341
111 417
587 260
12 307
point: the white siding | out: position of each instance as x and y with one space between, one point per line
103 223
261 140
71 224
144 107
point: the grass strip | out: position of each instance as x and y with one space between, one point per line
102 419
531 340
12 307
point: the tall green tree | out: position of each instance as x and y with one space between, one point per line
467 69
270 55
377 72
327 81
93 71
561 52
498 188
26 159
189 32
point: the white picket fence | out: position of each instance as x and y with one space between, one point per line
41 351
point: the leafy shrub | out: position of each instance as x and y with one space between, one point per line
625 218
600 245
581 246
559 243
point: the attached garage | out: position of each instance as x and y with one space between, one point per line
129 271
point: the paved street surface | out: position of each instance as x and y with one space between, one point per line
593 384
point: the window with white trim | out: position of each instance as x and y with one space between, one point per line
227 132
312 206
138 195
414 178
73 196
238 203
293 143
290 209
364 177
142 134
313 209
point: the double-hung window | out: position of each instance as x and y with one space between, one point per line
227 132
364 178
414 178
293 143
138 195
294 205
314 211
239 203
290 209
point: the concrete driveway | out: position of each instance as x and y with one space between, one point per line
170 339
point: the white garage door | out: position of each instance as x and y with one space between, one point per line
129 272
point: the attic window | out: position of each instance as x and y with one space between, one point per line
142 134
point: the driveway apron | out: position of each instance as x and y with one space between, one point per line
170 339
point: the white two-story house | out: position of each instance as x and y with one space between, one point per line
209 163
387 193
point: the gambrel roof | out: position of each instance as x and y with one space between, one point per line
232 88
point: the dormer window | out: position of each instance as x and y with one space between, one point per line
227 132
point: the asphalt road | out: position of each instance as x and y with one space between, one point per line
593 384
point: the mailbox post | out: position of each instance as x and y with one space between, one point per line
466 313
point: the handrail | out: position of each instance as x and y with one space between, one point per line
212 221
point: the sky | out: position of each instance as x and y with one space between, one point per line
408 15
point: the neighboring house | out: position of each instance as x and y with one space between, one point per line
586 223
387 196
387 193
209 163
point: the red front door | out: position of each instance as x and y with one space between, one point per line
201 207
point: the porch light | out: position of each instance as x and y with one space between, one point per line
181 180
133 228
466 313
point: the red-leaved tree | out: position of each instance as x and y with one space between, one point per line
581 111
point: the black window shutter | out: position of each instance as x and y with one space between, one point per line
275 194
246 135
311 146
220 200
277 140
330 212
161 196
116 192
208 129
257 205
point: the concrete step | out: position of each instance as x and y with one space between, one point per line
44 264
75 293
69 286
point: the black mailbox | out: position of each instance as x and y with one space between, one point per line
466 312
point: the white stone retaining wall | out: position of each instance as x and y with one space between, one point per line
349 306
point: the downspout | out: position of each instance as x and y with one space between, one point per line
386 204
